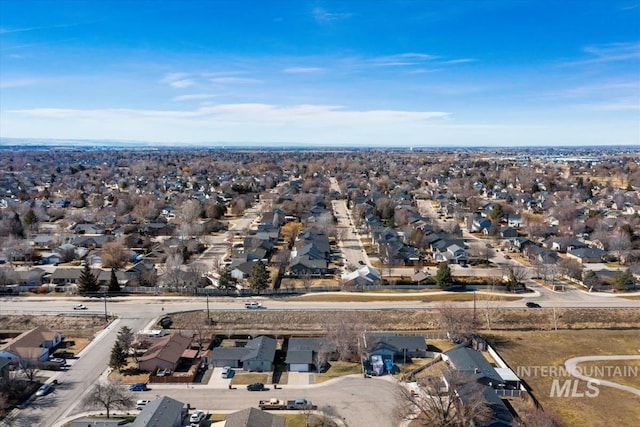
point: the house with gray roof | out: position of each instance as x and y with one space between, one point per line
474 364
397 348
161 412
308 354
253 417
257 355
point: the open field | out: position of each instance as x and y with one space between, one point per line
548 350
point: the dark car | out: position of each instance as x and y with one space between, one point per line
138 387
255 387
533 305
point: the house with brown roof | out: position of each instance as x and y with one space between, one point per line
32 346
165 353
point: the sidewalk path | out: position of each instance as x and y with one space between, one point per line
571 364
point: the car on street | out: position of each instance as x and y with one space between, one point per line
140 404
254 305
255 387
79 307
532 304
227 372
138 387
196 417
44 390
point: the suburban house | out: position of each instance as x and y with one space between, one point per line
253 417
364 276
257 355
161 412
474 364
164 353
397 348
587 255
308 354
32 346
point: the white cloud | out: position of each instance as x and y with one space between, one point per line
612 52
322 16
21 82
302 70
234 80
194 97
224 122
181 84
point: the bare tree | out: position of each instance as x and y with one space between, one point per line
536 417
108 396
451 400
344 331
457 321
114 255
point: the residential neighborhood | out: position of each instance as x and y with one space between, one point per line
123 226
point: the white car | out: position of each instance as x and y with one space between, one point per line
140 404
254 305
196 417
79 307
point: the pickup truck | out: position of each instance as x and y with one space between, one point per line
254 305
276 404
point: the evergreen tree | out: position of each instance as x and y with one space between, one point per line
125 338
15 226
118 357
227 281
114 286
87 283
443 276
622 279
258 277
30 219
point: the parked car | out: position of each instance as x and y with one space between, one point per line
44 389
138 387
532 304
227 372
140 404
255 387
57 360
196 417
79 307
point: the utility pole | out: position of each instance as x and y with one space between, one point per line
105 306
208 315
474 307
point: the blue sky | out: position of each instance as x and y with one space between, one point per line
357 73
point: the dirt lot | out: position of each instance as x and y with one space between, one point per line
69 326
264 321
